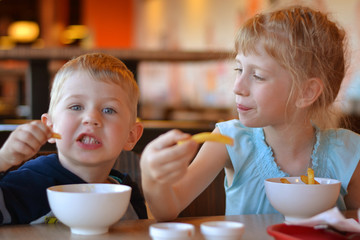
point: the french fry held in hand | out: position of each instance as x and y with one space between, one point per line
309 179
208 136
56 135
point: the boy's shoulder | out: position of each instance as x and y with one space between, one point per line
42 163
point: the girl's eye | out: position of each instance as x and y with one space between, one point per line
109 111
257 77
76 107
238 70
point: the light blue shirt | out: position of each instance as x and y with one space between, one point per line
336 154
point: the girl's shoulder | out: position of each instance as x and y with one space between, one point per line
340 136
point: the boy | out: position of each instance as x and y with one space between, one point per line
93 107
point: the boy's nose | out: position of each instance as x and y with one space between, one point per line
92 119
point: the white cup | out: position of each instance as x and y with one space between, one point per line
225 230
172 230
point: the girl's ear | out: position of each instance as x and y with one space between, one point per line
134 136
311 91
46 120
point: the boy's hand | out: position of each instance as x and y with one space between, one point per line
164 161
23 143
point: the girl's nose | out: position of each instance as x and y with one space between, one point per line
241 86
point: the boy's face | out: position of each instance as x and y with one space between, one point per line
94 120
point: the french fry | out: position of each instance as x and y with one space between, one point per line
306 179
310 173
284 180
56 135
208 136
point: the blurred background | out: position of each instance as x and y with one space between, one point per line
49 32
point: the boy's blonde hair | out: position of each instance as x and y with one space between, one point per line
101 67
307 44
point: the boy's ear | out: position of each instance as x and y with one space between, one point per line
46 120
311 91
134 136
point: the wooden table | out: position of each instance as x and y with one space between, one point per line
255 228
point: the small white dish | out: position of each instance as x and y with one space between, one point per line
171 230
225 230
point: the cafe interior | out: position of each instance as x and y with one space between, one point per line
180 51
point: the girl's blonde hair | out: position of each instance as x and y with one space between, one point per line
306 43
101 67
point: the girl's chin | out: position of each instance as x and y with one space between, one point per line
249 123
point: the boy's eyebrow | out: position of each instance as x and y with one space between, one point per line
106 98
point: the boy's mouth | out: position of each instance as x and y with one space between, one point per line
88 140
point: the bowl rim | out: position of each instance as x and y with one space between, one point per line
276 180
58 188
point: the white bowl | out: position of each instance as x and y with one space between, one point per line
299 200
89 209
172 231
226 230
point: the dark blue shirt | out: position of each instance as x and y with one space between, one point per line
23 196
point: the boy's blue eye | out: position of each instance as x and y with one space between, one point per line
109 110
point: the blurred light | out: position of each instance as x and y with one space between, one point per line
24 31
6 43
73 33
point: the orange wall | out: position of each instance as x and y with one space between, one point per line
110 21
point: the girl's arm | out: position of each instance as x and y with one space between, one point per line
352 199
169 183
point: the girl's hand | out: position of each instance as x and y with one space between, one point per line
23 143
164 161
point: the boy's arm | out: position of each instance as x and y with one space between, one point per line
4 214
23 143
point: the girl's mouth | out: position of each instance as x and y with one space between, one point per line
242 107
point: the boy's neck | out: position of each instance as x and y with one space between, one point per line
90 174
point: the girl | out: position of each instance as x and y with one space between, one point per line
290 65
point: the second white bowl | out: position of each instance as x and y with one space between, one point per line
299 200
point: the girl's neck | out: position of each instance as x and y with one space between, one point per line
292 146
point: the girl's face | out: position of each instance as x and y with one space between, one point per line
262 89
94 120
